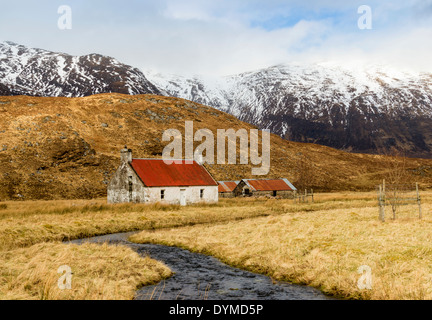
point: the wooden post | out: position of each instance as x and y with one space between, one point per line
419 201
312 196
381 204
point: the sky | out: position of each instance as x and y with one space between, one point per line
224 37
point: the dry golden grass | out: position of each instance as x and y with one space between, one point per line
100 272
320 244
29 272
26 223
323 245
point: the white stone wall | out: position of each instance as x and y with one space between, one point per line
119 192
118 188
191 194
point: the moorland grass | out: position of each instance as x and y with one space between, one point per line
30 253
99 272
323 245
320 244
23 224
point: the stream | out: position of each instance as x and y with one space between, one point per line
201 277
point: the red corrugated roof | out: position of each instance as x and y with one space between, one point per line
227 186
269 185
156 173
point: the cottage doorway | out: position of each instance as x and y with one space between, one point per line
183 197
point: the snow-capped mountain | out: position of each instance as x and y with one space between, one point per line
361 108
39 72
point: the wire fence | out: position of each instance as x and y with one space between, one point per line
306 197
401 199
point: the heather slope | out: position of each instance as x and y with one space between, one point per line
56 148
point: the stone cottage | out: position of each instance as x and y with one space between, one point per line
226 188
275 188
152 180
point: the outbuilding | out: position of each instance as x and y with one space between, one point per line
226 188
275 188
153 180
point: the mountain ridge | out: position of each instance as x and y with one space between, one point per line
354 109
38 72
358 109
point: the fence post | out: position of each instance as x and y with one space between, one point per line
419 201
381 204
313 201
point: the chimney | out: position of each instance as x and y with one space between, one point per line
126 155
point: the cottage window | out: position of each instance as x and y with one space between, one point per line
162 194
130 184
202 193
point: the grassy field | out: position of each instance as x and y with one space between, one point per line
323 245
30 252
23 224
99 272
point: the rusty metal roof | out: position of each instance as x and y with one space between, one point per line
156 173
227 186
270 185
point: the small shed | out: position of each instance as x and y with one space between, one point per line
152 180
226 188
275 188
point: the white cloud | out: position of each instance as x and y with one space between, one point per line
218 48
187 10
208 42
228 36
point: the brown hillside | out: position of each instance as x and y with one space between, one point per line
53 148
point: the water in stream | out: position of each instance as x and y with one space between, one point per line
201 277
